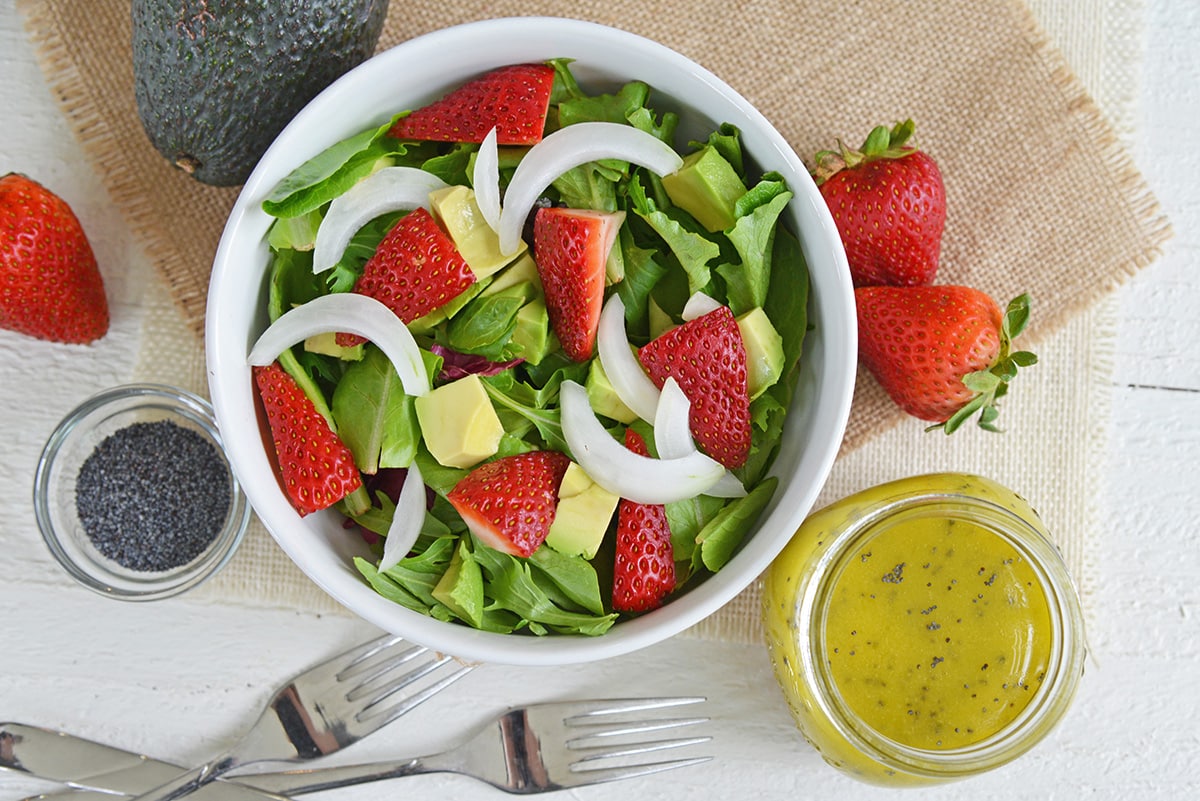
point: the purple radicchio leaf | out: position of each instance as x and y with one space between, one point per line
457 365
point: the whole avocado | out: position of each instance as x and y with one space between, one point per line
217 80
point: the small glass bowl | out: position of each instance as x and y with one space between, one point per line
54 491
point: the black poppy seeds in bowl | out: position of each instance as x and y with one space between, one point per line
153 496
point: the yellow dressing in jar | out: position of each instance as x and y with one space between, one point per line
924 630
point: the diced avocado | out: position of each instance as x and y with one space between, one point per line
660 321
764 350
603 397
522 270
326 344
707 187
532 337
423 325
455 208
458 423
584 511
461 586
614 265
297 233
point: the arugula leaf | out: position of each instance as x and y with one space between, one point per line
727 140
486 324
725 532
574 575
460 588
514 396
691 248
375 417
388 587
565 87
295 233
587 186
787 301
753 235
642 274
687 519
329 173
512 587
605 108
453 166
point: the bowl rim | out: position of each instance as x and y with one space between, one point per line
179 403
510 40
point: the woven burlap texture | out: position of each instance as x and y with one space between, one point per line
1042 198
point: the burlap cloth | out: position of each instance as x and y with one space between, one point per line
1042 198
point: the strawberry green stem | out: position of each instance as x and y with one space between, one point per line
991 385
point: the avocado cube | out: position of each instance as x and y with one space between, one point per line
461 586
764 350
532 338
707 187
603 397
326 344
455 208
584 511
458 423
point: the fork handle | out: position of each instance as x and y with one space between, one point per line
312 781
192 780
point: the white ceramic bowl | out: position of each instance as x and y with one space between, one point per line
419 71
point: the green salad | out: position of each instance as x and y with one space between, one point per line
699 267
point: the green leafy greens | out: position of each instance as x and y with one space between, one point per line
663 255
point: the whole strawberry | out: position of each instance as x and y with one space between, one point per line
942 353
889 204
51 286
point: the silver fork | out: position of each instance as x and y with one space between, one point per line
326 708
530 749
524 750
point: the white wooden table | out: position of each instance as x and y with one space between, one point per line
181 679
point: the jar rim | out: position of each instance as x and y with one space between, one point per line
1049 701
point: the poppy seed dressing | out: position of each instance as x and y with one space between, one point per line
153 496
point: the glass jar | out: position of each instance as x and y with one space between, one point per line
57 484
924 630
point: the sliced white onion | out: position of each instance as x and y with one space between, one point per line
407 520
632 385
673 437
699 305
486 180
386 190
610 464
567 148
353 314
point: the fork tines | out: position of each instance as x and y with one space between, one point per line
599 737
373 669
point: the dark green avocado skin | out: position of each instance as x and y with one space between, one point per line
216 80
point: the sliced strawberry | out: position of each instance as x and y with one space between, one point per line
644 569
571 247
510 503
707 358
513 100
52 288
415 269
316 466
